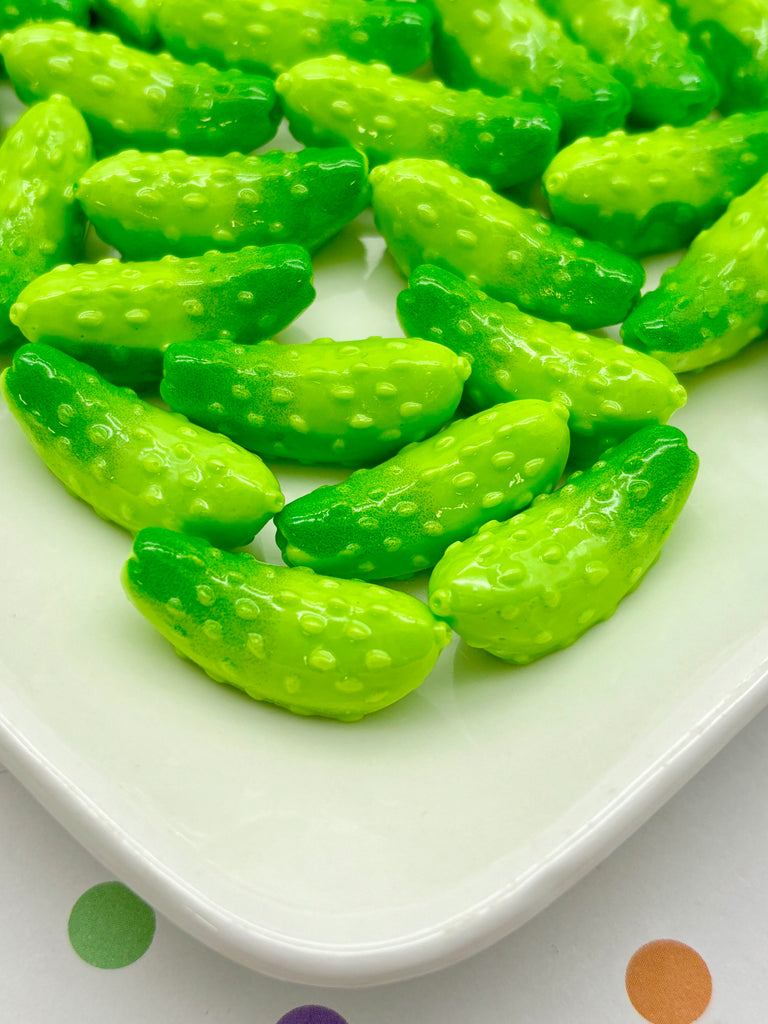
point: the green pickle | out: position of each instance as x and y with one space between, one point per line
534 585
41 225
135 21
431 213
653 193
17 12
135 464
338 649
149 204
333 100
609 390
132 98
714 302
268 37
510 47
669 83
399 517
732 35
338 403
120 317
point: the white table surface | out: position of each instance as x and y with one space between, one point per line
695 872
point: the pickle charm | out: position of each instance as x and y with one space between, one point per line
135 464
335 648
535 584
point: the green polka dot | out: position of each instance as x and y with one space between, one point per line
110 926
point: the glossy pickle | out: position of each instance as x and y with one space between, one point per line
511 47
399 517
714 302
654 192
135 21
150 204
268 38
41 225
333 100
327 402
134 463
338 649
17 12
667 81
431 213
120 317
533 585
609 390
132 98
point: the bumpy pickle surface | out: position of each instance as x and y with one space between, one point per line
668 82
271 36
151 204
327 402
654 192
120 317
714 302
135 464
610 390
41 225
133 98
335 648
535 584
502 139
512 47
399 517
429 212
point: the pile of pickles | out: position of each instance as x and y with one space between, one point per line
503 445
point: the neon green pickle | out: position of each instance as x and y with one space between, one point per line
429 212
137 465
398 518
610 390
41 225
714 302
120 317
268 37
338 649
327 402
533 585
638 41
133 98
150 204
502 139
654 192
511 47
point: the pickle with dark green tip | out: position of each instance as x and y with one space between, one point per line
714 302
669 83
399 517
149 204
339 403
653 193
511 47
133 20
732 36
610 390
333 100
534 585
41 225
120 317
135 464
132 98
268 37
431 213
338 649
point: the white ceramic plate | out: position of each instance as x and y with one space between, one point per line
356 854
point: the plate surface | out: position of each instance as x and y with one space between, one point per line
356 854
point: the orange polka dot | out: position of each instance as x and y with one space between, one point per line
668 983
